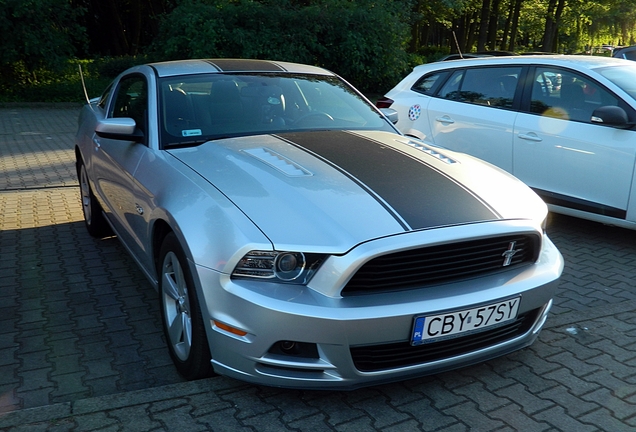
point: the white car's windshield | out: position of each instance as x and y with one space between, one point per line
622 76
203 107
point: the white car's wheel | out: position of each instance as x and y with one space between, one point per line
182 320
93 215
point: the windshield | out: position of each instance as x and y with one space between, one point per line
623 76
199 108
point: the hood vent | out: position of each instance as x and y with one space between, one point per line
428 150
278 162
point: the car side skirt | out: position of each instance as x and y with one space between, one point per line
560 201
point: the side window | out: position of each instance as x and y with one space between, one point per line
450 90
495 87
490 86
104 97
131 100
567 95
429 83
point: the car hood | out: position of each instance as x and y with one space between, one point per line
327 191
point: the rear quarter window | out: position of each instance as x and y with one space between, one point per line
428 84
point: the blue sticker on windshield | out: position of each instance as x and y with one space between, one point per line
414 112
191 132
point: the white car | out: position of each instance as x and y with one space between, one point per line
296 239
564 125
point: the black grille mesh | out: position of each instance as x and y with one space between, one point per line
417 268
402 354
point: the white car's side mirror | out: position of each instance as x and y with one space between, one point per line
611 116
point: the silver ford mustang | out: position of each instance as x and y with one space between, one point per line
297 239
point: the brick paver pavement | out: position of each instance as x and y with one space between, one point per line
81 346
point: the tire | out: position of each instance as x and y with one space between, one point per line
181 313
93 214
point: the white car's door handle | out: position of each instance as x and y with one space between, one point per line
445 119
530 136
97 144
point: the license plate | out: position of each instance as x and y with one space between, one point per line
432 328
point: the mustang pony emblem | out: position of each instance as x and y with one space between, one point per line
509 253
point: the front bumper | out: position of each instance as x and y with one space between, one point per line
332 331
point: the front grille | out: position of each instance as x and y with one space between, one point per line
417 268
402 354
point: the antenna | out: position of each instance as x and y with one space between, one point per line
457 45
88 101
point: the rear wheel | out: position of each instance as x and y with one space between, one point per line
181 313
93 214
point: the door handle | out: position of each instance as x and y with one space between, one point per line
445 119
530 136
97 144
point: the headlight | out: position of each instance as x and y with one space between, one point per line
274 266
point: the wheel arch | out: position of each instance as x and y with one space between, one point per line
79 159
160 230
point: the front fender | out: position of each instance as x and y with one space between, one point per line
213 232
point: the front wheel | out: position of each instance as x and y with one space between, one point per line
181 313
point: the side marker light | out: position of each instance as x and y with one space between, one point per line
229 329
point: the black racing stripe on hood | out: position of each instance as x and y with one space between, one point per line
243 65
421 195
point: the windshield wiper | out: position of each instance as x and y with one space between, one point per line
184 144
195 143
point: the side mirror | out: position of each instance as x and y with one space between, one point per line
391 114
120 128
611 116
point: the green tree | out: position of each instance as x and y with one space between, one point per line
552 21
509 36
122 27
38 33
364 41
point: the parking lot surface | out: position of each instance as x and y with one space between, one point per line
81 346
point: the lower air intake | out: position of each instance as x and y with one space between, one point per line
382 357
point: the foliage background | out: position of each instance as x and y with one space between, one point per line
371 43
364 41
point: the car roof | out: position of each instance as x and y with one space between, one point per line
200 66
573 61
